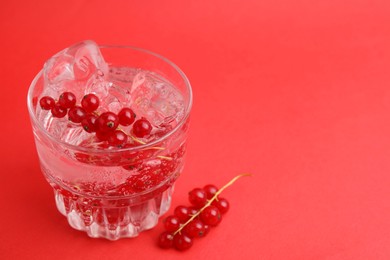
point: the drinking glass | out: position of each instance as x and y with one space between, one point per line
115 193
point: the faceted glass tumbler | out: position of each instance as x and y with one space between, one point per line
91 186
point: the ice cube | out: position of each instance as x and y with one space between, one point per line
118 98
59 68
113 97
162 89
73 67
155 98
88 60
138 81
98 86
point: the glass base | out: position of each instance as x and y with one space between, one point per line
113 221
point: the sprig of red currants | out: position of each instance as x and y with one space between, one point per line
105 126
195 221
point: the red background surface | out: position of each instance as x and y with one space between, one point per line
294 92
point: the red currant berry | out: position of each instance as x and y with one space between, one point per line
206 229
171 223
194 229
47 102
210 190
222 204
182 242
182 213
76 114
90 102
211 216
102 136
142 127
165 240
197 197
58 111
107 122
88 123
126 116
67 100
117 138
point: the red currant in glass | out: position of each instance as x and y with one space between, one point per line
76 114
197 197
117 138
90 102
102 136
182 242
107 122
67 100
194 229
222 204
126 116
165 240
171 223
142 127
182 213
211 216
210 190
58 111
47 102
88 123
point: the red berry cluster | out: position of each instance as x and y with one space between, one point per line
188 223
105 125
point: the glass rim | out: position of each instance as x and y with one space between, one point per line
119 150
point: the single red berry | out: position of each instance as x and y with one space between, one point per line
210 190
76 114
67 100
222 204
211 216
194 229
182 213
171 223
90 102
102 136
88 123
107 122
165 240
58 111
197 197
142 127
126 116
182 242
117 138
47 102
206 229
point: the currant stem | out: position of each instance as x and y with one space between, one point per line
210 201
135 139
165 157
154 147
